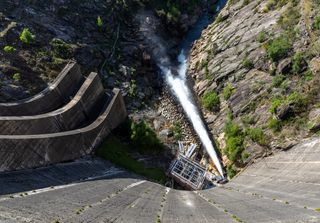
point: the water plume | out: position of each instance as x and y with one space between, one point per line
177 82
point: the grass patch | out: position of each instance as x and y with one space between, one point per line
118 153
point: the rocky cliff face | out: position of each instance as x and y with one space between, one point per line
261 58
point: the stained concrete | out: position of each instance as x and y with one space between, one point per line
53 97
281 188
83 108
29 151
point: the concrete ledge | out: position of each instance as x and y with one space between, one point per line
53 97
30 151
82 109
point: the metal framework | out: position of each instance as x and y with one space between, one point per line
188 173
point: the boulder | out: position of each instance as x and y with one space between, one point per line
284 67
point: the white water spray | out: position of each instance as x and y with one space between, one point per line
179 87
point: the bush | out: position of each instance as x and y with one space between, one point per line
297 101
99 23
262 36
26 36
61 48
234 141
316 24
275 104
231 171
228 91
9 49
298 63
257 135
144 138
277 80
275 124
177 131
16 77
279 48
247 63
211 101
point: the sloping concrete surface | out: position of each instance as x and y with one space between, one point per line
83 108
30 151
54 96
282 188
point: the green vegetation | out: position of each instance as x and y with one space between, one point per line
9 49
262 36
247 63
228 91
16 77
257 135
61 49
279 48
275 124
231 171
298 63
317 209
99 23
278 80
26 36
133 88
177 131
144 138
234 141
275 104
316 24
119 153
211 101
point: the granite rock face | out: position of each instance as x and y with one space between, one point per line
233 57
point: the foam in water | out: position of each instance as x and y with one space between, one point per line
179 87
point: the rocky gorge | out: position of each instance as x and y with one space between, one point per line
254 70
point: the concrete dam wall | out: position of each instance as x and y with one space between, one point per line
283 188
63 134
59 92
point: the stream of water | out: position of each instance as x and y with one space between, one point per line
179 87
177 81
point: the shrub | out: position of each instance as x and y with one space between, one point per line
297 101
211 101
298 63
61 48
144 138
234 141
99 23
275 104
275 124
26 36
9 49
257 135
279 48
228 91
277 80
177 131
262 36
16 77
247 63
231 171
316 24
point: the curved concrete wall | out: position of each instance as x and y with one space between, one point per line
29 151
57 94
83 108
283 188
